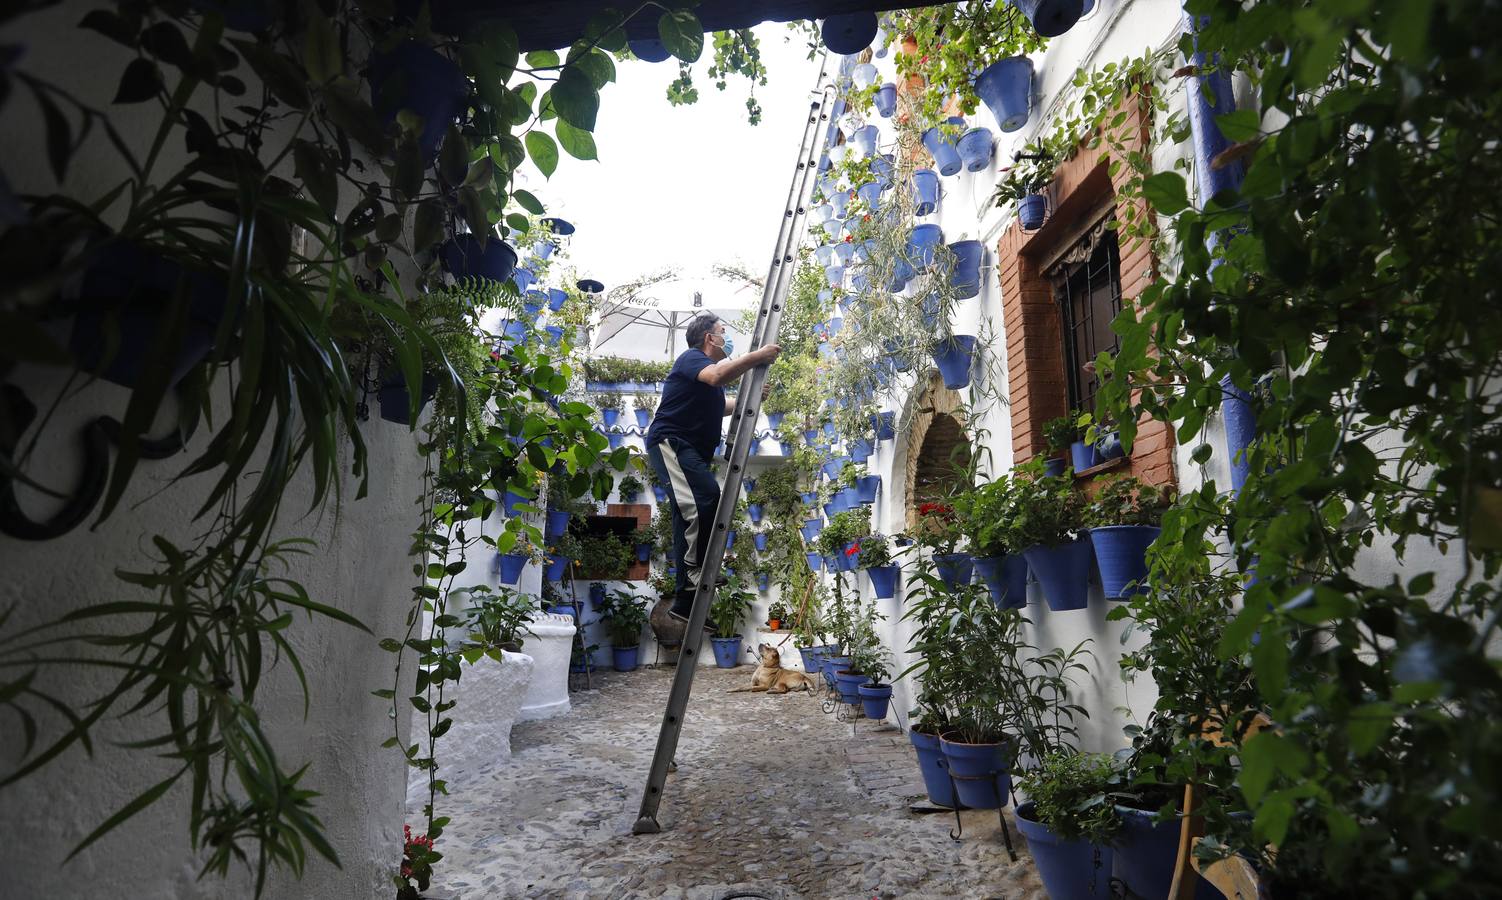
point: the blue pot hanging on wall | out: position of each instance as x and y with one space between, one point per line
511 566
1052 18
940 144
886 100
885 425
610 417
416 77
867 487
759 540
643 417
754 511
925 192
953 356
1006 87
1062 571
1006 578
557 523
864 141
849 32
1121 554
839 202
870 194
1032 212
396 402
523 279
464 257
965 279
863 76
860 450
922 241
884 581
815 560
954 568
975 149
556 298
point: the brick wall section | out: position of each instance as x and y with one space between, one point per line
1035 351
642 513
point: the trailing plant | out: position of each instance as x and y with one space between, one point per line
1071 795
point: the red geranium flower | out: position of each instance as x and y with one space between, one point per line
854 549
849 238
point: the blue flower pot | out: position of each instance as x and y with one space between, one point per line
509 501
557 523
885 425
886 100
729 540
931 764
1063 572
1081 456
1108 446
849 33
785 447
925 192
810 657
839 202
1145 855
1006 577
811 529
523 279
809 498
866 488
394 399
929 308
981 777
754 511
643 552
850 497
563 610
860 450
864 139
941 147
610 417
1006 87
727 651
643 417
416 77
922 241
617 440
952 356
760 541
974 148
833 467
1052 18
649 50
830 663
464 257
1055 466
557 566
954 568
1121 554
534 303
556 298
831 565
1072 869
625 658
596 593
512 565
965 279
1032 211
848 684
874 700
763 581
834 275
815 561
870 194
660 492
850 557
884 581
554 332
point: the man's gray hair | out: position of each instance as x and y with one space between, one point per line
700 327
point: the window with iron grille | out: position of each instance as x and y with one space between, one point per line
1087 286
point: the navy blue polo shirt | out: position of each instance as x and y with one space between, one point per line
690 409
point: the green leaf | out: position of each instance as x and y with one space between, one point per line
527 201
1368 725
577 143
1271 823
544 152
604 31
518 223
321 54
281 74
453 156
427 228
1241 125
140 82
1166 192
596 66
542 59
317 174
575 99
681 34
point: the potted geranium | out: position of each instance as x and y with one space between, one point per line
1050 526
1070 821
731 604
1125 519
624 614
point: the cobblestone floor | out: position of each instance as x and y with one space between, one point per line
772 798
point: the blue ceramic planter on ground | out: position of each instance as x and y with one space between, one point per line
885 425
810 657
815 560
512 565
941 146
1071 870
954 568
884 581
1063 573
833 663
625 658
463 257
974 148
925 192
848 683
557 523
557 567
1121 554
874 699
1081 456
965 279
866 488
1006 577
1006 87
981 779
931 764
1145 854
1032 211
886 100
953 356
727 651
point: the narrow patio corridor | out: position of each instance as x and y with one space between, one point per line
773 798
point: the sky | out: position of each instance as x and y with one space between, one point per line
684 186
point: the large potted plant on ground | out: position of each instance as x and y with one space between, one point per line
1070 821
989 514
1050 525
624 614
731 605
1125 519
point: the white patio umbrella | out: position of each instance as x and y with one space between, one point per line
634 318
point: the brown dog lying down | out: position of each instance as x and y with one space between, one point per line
771 677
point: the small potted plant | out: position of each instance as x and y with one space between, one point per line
510 565
643 405
1125 518
630 488
940 529
731 604
1059 433
989 514
875 692
777 613
624 615
562 551
643 539
1070 821
876 559
416 870
610 404
1050 526
1023 183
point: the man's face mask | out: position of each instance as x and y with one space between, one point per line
727 345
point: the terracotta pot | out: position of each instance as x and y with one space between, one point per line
773 624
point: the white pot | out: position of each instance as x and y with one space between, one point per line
490 696
549 641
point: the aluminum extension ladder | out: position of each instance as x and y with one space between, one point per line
742 432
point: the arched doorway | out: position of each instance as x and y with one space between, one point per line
938 451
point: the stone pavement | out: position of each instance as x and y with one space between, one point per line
773 798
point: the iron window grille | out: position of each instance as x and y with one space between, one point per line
1089 295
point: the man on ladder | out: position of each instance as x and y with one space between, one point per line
682 438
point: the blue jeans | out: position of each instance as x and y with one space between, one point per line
693 494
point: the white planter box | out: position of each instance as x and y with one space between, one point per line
549 641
